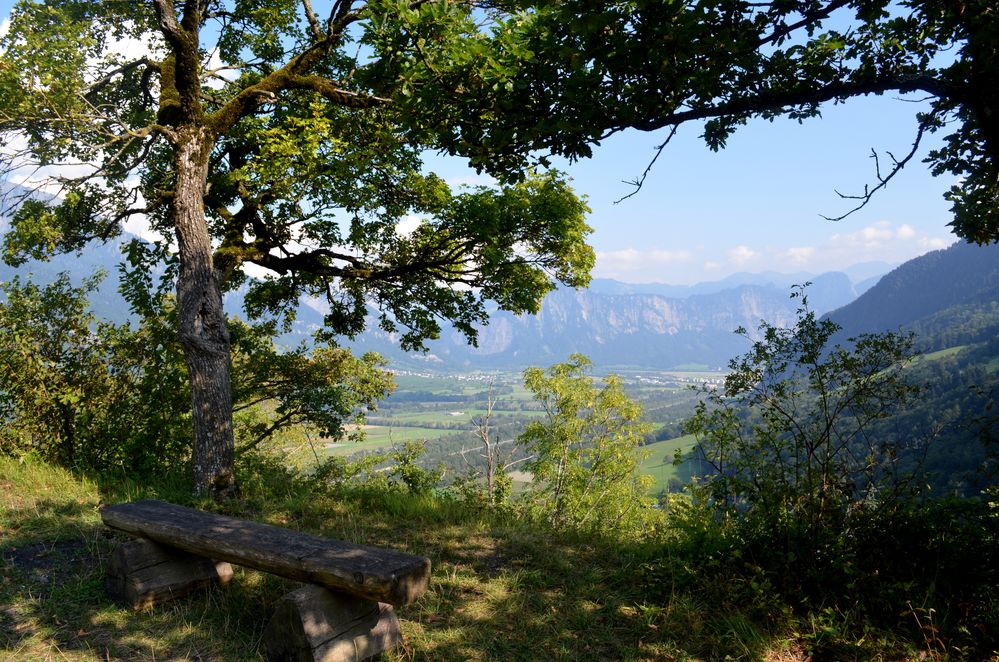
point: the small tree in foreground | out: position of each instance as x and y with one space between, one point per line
793 437
585 462
55 383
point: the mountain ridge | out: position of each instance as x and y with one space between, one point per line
959 278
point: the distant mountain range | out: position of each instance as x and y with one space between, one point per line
620 324
653 325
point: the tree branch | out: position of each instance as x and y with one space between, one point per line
328 89
637 183
774 101
99 85
813 17
310 15
897 166
167 18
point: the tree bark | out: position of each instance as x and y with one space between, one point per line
203 332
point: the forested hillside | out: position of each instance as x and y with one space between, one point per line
949 301
938 285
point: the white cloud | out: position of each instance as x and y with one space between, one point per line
742 255
132 49
405 227
800 255
630 263
934 243
710 265
882 241
4 28
873 234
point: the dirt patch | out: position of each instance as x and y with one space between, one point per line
47 562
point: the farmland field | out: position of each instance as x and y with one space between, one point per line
659 463
443 411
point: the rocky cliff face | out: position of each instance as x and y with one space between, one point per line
616 324
640 329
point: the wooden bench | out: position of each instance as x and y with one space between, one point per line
344 613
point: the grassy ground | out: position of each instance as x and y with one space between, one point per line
499 590
941 354
381 436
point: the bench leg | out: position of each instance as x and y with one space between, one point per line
143 573
313 624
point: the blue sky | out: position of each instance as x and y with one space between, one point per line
756 205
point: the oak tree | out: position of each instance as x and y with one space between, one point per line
290 135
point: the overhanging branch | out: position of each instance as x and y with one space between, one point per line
809 19
638 183
329 89
776 101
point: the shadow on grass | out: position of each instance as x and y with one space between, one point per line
53 603
497 593
505 592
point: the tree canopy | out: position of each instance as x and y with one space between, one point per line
276 133
589 70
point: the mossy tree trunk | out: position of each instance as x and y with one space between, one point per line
203 331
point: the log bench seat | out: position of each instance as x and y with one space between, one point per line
344 613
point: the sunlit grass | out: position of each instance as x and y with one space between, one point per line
500 589
659 460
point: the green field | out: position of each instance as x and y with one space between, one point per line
381 436
941 354
443 411
659 463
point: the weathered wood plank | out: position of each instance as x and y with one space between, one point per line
314 624
377 574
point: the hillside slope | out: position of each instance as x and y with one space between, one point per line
963 275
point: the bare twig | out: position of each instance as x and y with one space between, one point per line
897 165
637 183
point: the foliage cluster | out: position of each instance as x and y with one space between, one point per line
88 394
811 500
791 437
584 458
83 393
